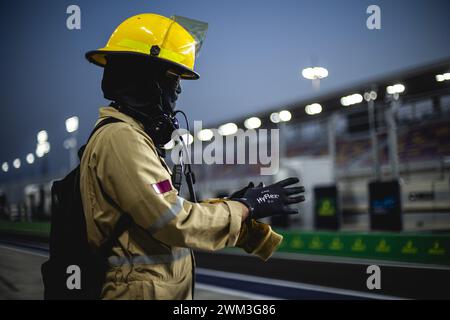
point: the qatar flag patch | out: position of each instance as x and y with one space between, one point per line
162 187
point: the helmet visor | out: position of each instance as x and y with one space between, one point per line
196 28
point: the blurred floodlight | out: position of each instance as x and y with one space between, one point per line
351 99
252 123
30 158
39 151
72 124
443 77
314 73
285 115
187 138
16 163
42 149
373 95
390 90
275 117
344 101
169 145
368 96
228 128
46 146
5 167
395 89
205 135
42 136
312 109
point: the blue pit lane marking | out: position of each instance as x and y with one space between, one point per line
277 291
281 289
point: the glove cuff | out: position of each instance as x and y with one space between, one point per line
259 239
269 245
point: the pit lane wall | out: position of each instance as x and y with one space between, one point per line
424 248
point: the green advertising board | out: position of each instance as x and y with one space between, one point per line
327 215
415 247
404 247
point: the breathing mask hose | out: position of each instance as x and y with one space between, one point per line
188 173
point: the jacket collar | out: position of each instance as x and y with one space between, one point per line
106 112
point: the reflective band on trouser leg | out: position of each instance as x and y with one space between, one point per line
153 259
167 216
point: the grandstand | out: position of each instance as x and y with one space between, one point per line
422 118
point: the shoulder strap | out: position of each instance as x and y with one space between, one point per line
102 123
124 220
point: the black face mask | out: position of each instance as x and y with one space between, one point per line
170 89
145 90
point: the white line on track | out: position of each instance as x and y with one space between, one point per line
290 284
233 292
345 260
28 251
350 260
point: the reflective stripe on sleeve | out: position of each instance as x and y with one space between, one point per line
167 216
149 259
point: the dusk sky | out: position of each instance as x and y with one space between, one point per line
251 59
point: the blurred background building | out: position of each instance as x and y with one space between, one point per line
379 136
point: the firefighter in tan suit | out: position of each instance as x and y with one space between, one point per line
123 172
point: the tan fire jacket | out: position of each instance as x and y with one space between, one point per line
122 172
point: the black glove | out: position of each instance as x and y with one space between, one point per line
240 193
272 200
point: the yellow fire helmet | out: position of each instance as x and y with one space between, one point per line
175 41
